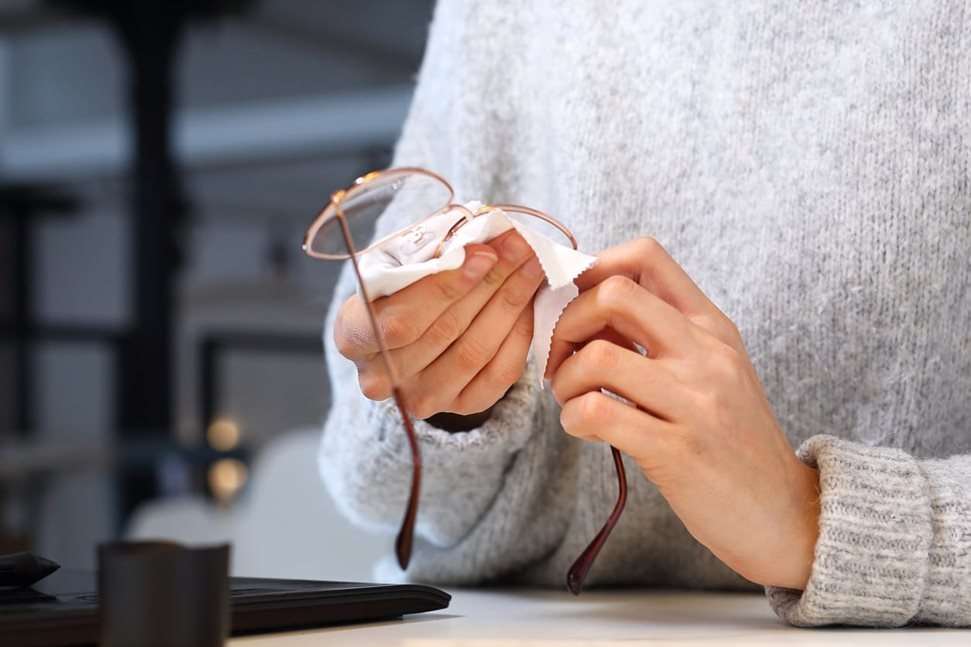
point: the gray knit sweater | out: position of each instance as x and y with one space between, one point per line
809 164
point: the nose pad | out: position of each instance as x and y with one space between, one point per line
466 218
448 234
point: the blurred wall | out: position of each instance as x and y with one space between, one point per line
277 107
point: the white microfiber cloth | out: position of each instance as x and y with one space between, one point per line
405 259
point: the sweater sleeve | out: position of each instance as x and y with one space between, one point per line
894 543
364 458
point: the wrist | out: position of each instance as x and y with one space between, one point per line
804 526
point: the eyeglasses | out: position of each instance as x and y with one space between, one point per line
349 216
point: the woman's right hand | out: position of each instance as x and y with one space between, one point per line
458 339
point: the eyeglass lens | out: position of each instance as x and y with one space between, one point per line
413 195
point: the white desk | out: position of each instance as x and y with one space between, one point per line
543 619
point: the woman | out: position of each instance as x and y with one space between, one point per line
808 166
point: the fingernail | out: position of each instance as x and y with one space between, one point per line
480 263
514 247
532 268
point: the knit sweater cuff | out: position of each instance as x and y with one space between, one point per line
505 432
366 463
871 558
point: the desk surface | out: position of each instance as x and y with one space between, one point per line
544 618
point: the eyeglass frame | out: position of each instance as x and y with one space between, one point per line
405 538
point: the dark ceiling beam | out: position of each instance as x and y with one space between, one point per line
24 17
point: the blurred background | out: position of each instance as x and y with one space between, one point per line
161 369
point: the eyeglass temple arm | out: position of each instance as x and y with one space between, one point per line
405 539
578 571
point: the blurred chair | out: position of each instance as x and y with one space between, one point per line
285 525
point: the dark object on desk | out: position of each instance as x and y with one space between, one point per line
24 569
162 594
63 609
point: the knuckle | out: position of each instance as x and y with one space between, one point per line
727 363
460 406
471 354
582 413
616 291
707 402
524 326
446 328
342 341
494 277
396 329
347 334
720 326
556 388
515 295
599 353
592 406
732 333
505 374
569 418
728 329
648 248
726 324
461 410
466 405
422 406
373 386
707 322
448 288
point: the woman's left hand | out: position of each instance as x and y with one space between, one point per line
699 424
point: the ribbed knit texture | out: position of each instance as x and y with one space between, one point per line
809 164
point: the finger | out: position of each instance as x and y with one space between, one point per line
560 350
502 371
595 416
404 316
629 309
643 381
513 252
472 351
410 360
646 262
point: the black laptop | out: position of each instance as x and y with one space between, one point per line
63 608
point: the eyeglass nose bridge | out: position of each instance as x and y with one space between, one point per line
467 216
